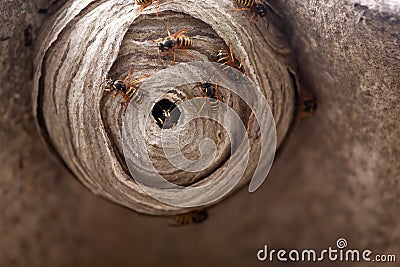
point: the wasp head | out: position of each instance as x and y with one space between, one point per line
260 9
208 89
166 45
109 85
161 47
205 85
200 216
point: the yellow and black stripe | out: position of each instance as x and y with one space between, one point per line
246 3
214 104
183 42
142 2
223 57
193 217
133 94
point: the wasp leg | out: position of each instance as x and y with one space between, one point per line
130 84
125 104
240 9
202 107
253 16
144 6
241 68
128 76
180 33
125 100
124 96
183 50
243 9
231 53
174 53
161 121
157 4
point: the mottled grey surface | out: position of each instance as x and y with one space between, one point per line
337 177
69 73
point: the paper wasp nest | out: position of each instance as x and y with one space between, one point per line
89 41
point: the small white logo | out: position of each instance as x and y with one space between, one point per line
341 243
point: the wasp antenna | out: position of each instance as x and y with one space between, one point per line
105 80
173 104
102 83
195 86
166 28
156 103
212 73
157 40
209 78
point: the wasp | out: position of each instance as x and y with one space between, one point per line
127 89
257 8
176 41
164 118
306 103
210 91
308 106
28 36
146 3
227 61
193 217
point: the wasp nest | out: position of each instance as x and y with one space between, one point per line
89 41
